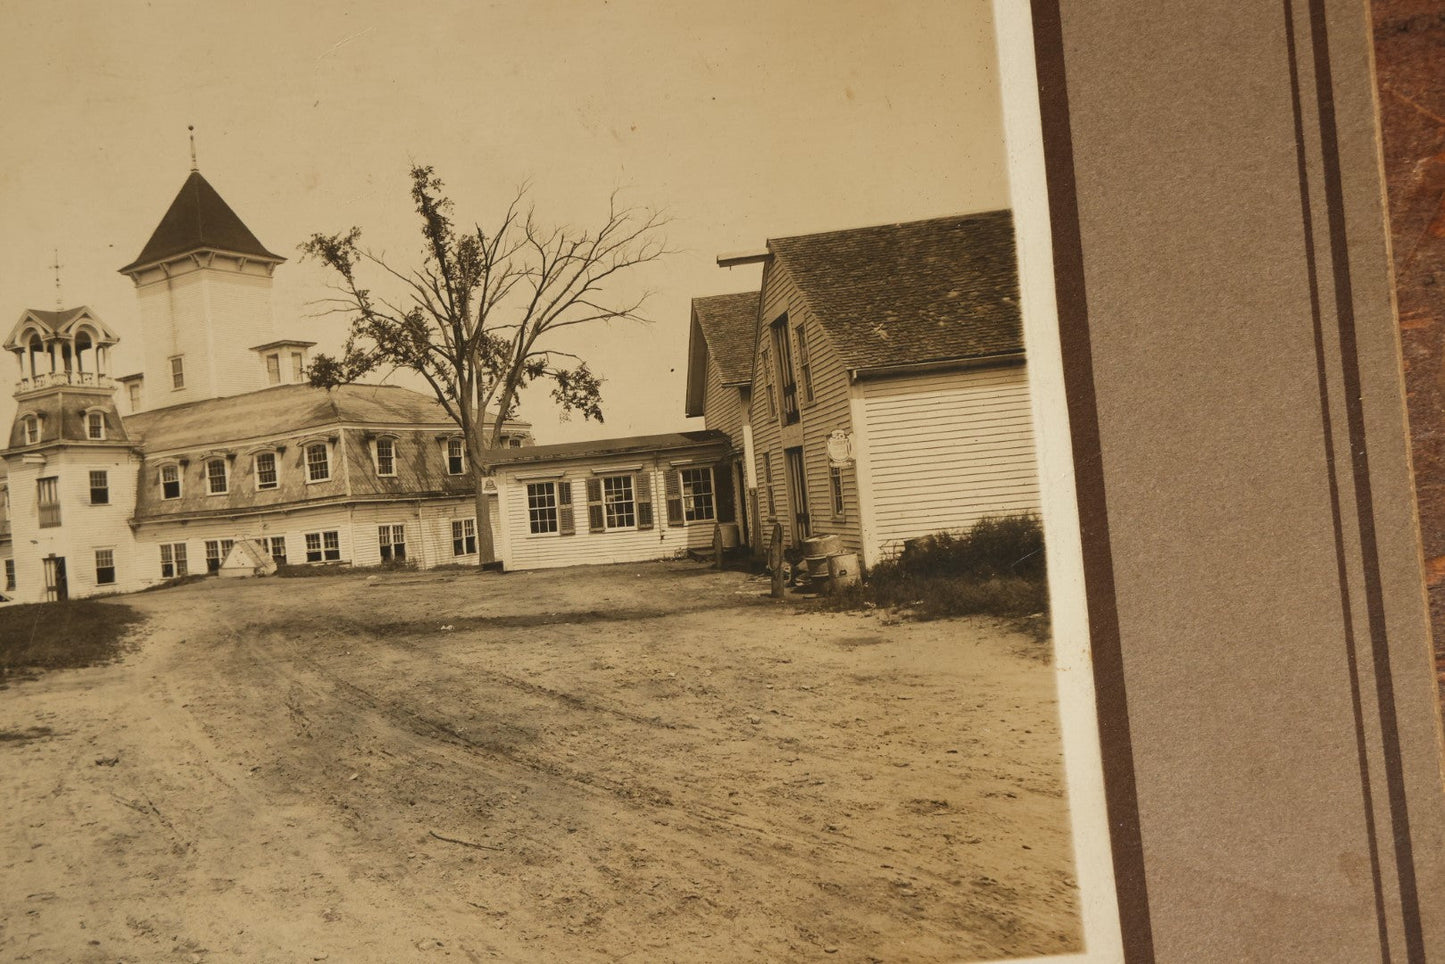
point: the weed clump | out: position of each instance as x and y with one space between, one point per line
62 635
996 568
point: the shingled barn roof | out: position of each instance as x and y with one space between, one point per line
924 291
728 323
198 220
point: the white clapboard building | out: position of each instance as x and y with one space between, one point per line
218 448
875 387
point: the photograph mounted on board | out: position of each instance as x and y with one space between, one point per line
346 626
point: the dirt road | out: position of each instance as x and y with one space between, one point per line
641 763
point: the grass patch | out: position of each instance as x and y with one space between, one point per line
994 569
44 636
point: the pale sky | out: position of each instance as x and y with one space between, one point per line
742 120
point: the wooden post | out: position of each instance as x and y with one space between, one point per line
775 559
717 545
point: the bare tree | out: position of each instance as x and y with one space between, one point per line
475 318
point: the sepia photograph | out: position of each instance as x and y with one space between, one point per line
600 480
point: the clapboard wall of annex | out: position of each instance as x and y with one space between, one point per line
947 449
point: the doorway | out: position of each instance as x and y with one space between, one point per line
797 481
56 589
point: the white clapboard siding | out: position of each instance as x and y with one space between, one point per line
722 408
436 548
947 449
826 413
552 550
292 526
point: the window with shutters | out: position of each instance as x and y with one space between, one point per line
785 370
216 551
278 550
216 482
173 560
104 567
697 495
464 537
619 502
47 497
805 363
392 540
266 470
318 463
95 426
170 481
385 456
542 507
619 508
99 487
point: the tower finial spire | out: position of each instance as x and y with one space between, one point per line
59 301
192 129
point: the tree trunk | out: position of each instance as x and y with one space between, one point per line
486 550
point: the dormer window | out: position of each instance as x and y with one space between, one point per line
456 457
95 426
170 481
266 470
298 367
318 462
386 456
134 389
216 482
273 369
32 429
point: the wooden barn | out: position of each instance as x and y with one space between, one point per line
889 395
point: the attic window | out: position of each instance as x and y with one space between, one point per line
273 369
95 425
32 430
318 462
170 481
456 457
216 481
386 455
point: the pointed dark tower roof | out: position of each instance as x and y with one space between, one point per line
199 220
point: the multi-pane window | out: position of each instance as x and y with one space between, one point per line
95 425
805 363
456 457
464 537
47 497
32 430
273 369
173 560
298 367
266 470
393 542
9 575
134 390
323 546
318 462
619 508
542 507
697 495
104 567
178 373
278 550
216 476
170 481
385 456
216 551
99 487
785 370
835 488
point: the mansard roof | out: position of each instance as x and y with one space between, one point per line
923 291
199 220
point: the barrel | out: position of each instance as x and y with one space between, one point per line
843 569
822 546
730 537
817 567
